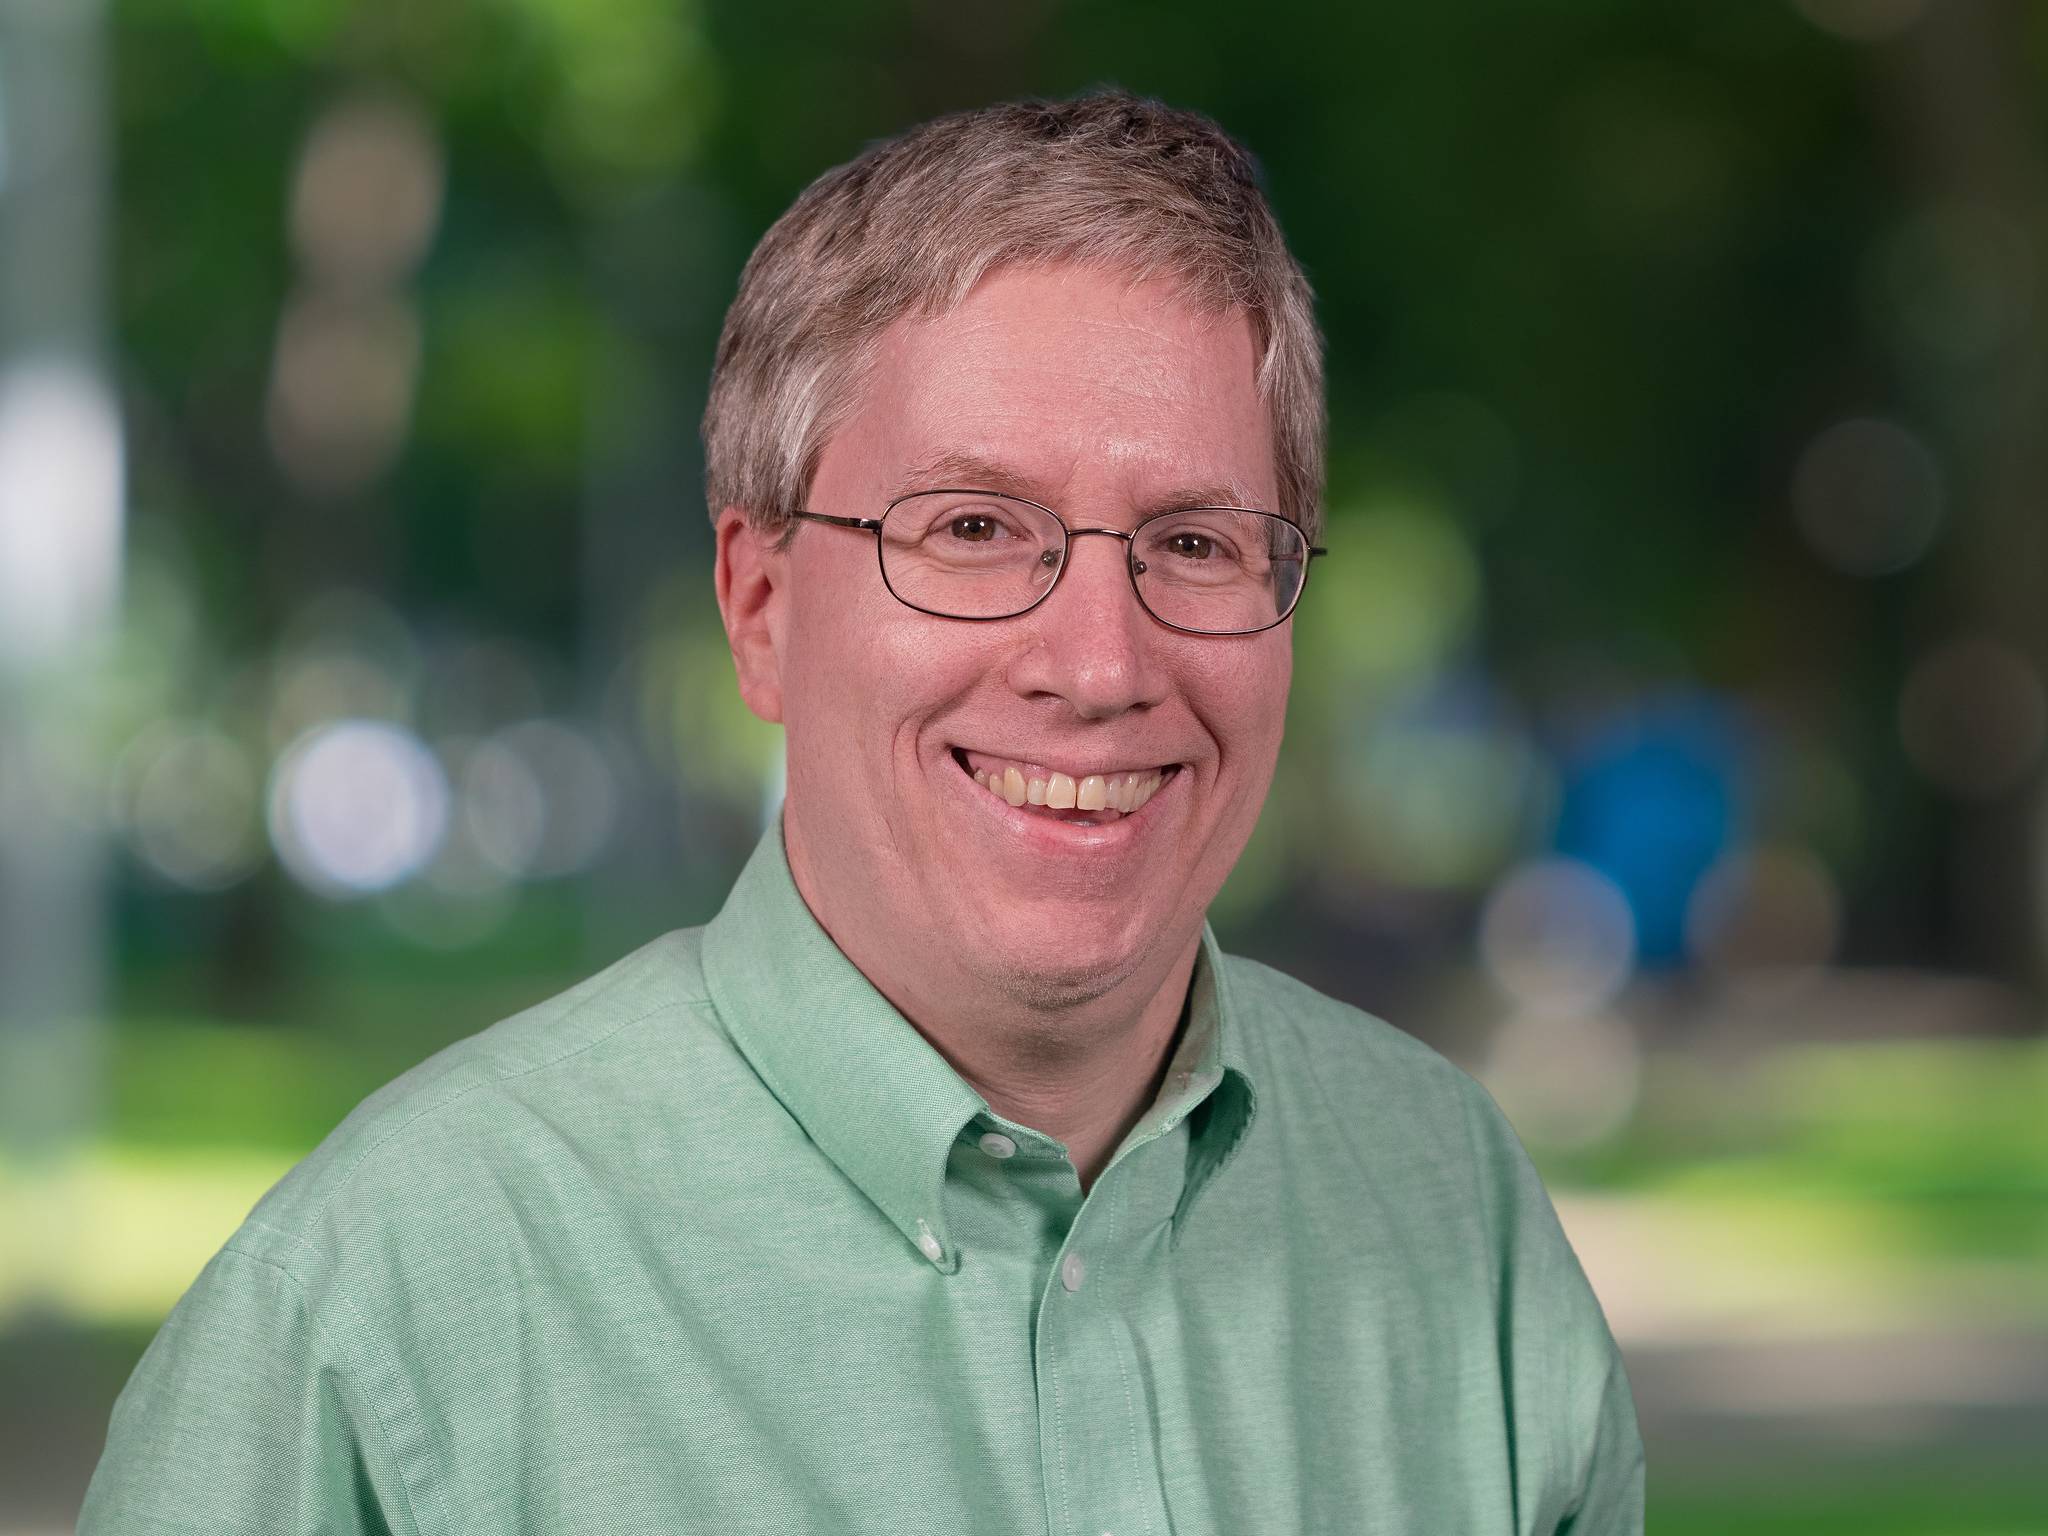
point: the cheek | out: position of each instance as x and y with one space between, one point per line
869 672
838 610
1246 700
827 667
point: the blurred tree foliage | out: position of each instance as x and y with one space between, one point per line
1592 275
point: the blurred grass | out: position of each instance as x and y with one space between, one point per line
1909 1496
114 1236
1950 1137
180 1079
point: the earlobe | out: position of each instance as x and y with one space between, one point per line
749 579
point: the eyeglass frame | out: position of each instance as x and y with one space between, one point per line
874 525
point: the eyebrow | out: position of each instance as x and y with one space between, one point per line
970 471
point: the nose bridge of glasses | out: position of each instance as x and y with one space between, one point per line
1118 590
1122 556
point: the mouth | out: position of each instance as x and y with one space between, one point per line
1081 799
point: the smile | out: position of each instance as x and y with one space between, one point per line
1079 798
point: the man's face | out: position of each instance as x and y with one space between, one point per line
1104 400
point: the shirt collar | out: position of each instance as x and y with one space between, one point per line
874 1095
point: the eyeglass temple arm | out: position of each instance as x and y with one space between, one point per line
869 523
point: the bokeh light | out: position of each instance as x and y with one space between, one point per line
1400 602
341 389
1973 716
1441 787
459 899
191 804
1766 914
357 806
366 198
367 194
539 799
1953 284
1652 788
503 809
61 488
1868 496
1557 937
633 88
1565 1078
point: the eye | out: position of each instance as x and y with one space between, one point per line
1191 546
974 528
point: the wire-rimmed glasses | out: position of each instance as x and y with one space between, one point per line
969 554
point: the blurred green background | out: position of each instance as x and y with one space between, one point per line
1668 739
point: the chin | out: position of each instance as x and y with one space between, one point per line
1065 968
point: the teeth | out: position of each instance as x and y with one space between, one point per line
1122 792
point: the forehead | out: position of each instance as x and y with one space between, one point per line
1065 378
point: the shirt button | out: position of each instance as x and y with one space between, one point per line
929 1245
1072 1271
996 1144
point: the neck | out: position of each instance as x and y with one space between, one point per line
1082 1074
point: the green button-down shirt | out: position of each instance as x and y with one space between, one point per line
715 1241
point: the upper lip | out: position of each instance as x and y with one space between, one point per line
1076 765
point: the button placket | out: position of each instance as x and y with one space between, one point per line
1094 1432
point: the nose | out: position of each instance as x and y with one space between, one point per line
1091 642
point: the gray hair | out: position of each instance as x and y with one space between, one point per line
1108 180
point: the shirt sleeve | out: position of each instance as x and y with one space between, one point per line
1611 1503
1573 1405
241 1417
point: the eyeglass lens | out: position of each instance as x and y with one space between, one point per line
978 555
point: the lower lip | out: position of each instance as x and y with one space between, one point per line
1051 834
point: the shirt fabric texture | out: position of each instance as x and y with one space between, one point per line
716 1241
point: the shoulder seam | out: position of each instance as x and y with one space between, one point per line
341 1354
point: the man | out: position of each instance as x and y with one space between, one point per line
951 1180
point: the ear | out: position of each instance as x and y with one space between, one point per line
751 581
